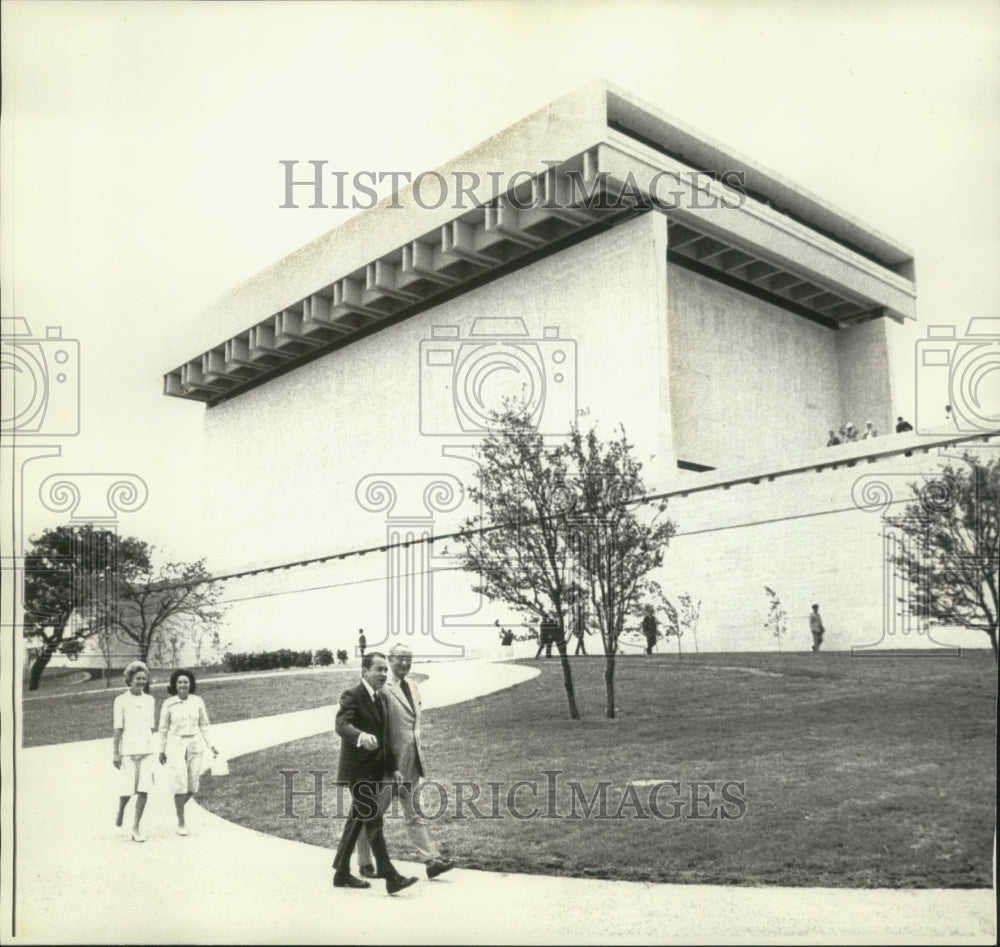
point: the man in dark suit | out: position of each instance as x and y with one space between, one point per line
365 759
402 704
548 635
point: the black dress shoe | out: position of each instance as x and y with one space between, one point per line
349 881
368 871
392 885
438 867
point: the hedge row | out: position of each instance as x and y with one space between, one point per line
269 660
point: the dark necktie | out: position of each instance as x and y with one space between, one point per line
406 691
378 705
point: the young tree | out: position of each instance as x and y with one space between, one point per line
108 642
951 550
69 574
173 635
205 642
516 544
674 631
777 618
616 542
559 533
688 616
159 653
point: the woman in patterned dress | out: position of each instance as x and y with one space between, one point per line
183 729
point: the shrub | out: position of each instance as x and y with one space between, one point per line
267 660
324 657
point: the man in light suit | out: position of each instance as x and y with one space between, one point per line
365 760
402 701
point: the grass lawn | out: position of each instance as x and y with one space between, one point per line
85 714
874 772
69 680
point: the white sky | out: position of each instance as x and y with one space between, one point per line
142 140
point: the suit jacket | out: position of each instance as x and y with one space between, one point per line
403 737
357 715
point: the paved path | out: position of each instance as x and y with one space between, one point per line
80 880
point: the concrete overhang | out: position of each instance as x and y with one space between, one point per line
576 167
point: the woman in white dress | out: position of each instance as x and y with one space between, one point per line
133 720
183 729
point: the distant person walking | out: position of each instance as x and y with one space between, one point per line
650 629
544 641
133 720
183 727
362 642
580 631
549 634
903 426
816 627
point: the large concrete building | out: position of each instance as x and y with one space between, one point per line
609 264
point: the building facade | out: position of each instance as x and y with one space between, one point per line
610 266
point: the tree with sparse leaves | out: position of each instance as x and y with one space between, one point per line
950 552
516 545
617 540
559 534
164 605
688 614
777 617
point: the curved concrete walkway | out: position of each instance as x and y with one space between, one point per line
80 880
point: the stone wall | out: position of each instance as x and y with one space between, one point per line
696 370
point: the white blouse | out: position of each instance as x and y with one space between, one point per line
135 716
